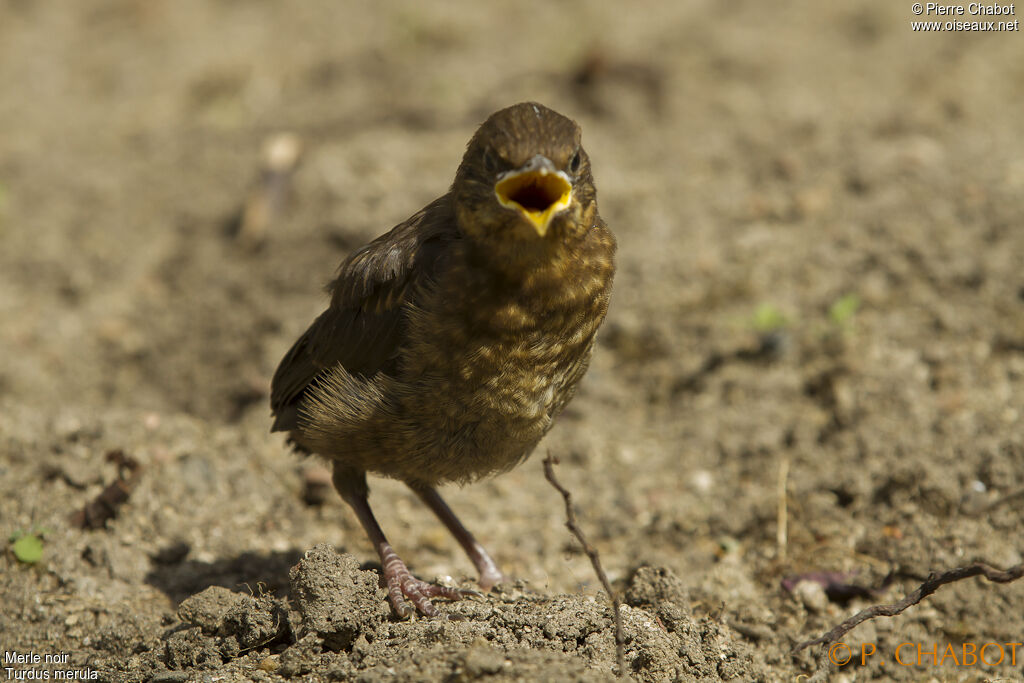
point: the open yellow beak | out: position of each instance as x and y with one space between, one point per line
536 190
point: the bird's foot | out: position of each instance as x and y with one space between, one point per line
491 576
404 588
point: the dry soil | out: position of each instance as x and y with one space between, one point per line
821 282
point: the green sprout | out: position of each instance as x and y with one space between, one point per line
841 312
768 318
27 546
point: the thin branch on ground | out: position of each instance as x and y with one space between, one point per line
782 512
930 585
570 522
1016 495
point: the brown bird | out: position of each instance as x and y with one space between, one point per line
454 340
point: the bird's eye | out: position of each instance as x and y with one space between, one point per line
574 162
490 164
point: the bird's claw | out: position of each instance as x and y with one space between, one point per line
409 595
490 575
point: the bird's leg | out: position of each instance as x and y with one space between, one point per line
400 582
490 575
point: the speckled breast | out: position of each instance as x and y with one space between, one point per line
498 367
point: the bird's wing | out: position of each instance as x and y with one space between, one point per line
364 325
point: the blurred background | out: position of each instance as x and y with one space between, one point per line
820 215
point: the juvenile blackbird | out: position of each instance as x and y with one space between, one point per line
454 340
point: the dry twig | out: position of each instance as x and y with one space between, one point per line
280 157
570 522
782 513
930 585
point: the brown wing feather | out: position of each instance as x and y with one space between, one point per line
364 326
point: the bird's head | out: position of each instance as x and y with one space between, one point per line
525 183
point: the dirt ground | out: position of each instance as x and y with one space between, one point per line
820 216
